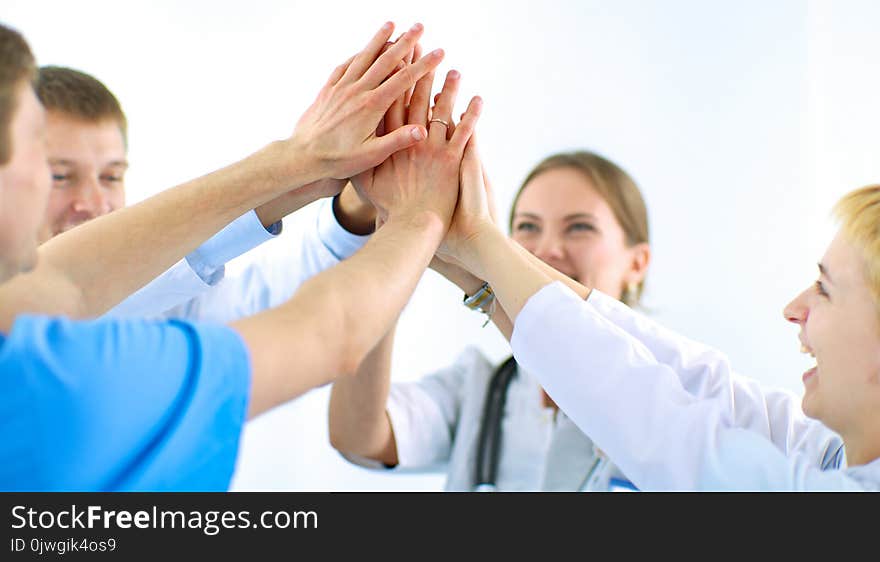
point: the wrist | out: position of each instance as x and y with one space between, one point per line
461 278
479 249
353 214
422 222
286 166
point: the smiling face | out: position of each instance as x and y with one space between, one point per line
562 219
88 165
840 326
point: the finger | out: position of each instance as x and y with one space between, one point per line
403 80
487 185
441 115
473 197
416 55
418 104
449 130
468 123
395 117
367 56
380 148
378 72
337 73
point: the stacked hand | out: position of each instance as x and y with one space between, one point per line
338 132
423 177
344 131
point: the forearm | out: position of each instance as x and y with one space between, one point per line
98 264
358 421
470 284
335 318
295 199
513 276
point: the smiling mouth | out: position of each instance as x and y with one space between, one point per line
810 373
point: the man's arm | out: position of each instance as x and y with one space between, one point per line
91 268
336 317
332 322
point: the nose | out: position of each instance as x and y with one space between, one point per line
548 248
798 310
91 198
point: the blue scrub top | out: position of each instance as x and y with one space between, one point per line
120 405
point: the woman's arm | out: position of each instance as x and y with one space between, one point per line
358 422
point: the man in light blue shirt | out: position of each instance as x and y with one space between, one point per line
87 141
136 405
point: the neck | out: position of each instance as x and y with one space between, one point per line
862 447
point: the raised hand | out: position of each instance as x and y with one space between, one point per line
425 176
474 212
338 131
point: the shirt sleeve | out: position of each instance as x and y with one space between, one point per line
425 415
271 279
199 271
706 373
341 243
121 405
632 406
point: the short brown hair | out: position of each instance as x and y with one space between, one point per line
614 185
80 95
17 64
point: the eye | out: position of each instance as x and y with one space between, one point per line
820 288
111 178
60 177
526 226
581 227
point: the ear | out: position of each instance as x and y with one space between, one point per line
640 259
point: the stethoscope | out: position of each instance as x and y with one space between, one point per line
489 444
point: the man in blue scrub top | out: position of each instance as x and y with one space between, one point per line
138 405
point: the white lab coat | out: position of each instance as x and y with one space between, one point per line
196 288
437 420
670 411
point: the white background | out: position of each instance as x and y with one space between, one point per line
742 122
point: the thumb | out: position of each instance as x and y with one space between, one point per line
473 193
380 148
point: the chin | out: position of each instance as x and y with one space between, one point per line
808 405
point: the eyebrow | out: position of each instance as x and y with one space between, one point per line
824 271
567 217
574 216
527 215
67 162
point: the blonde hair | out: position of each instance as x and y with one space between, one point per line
859 215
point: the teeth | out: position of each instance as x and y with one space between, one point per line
807 350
